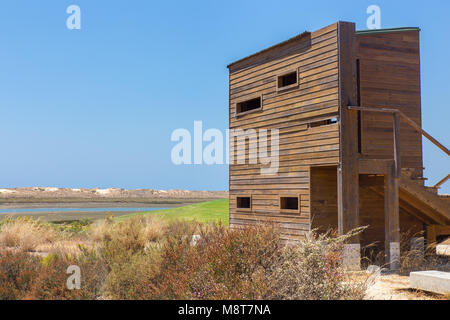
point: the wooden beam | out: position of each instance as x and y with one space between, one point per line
397 160
431 235
348 187
421 206
404 205
374 166
392 220
424 133
442 230
441 182
371 181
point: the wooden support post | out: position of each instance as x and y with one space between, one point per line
392 219
397 161
348 173
431 236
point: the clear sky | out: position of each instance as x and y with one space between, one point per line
96 107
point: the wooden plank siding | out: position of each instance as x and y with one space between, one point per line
315 56
390 77
324 199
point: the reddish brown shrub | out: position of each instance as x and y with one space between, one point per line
51 282
224 264
17 272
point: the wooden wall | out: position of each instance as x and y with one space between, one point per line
390 77
316 57
324 207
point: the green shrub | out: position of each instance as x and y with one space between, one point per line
73 227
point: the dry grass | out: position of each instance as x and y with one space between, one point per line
412 258
25 234
148 229
71 247
154 228
100 230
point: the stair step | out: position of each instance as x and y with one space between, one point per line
425 199
432 189
419 178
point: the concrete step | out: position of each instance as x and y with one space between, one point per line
443 248
432 281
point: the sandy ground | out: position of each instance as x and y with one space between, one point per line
39 193
396 287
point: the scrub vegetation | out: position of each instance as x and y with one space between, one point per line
159 257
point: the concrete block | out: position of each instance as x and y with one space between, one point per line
352 257
443 249
195 239
394 249
433 281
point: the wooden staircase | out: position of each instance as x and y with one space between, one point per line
423 201
411 194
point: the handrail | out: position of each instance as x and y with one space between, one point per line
441 182
408 120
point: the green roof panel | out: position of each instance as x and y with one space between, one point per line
387 30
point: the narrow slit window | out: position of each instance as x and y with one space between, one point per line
287 80
244 202
290 203
248 105
322 123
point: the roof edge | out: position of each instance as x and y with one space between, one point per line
305 33
297 37
373 31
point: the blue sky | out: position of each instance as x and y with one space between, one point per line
96 107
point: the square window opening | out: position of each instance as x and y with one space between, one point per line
248 105
287 80
244 202
289 203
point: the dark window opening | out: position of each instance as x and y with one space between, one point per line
244 202
358 82
289 203
358 86
249 105
322 123
286 80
